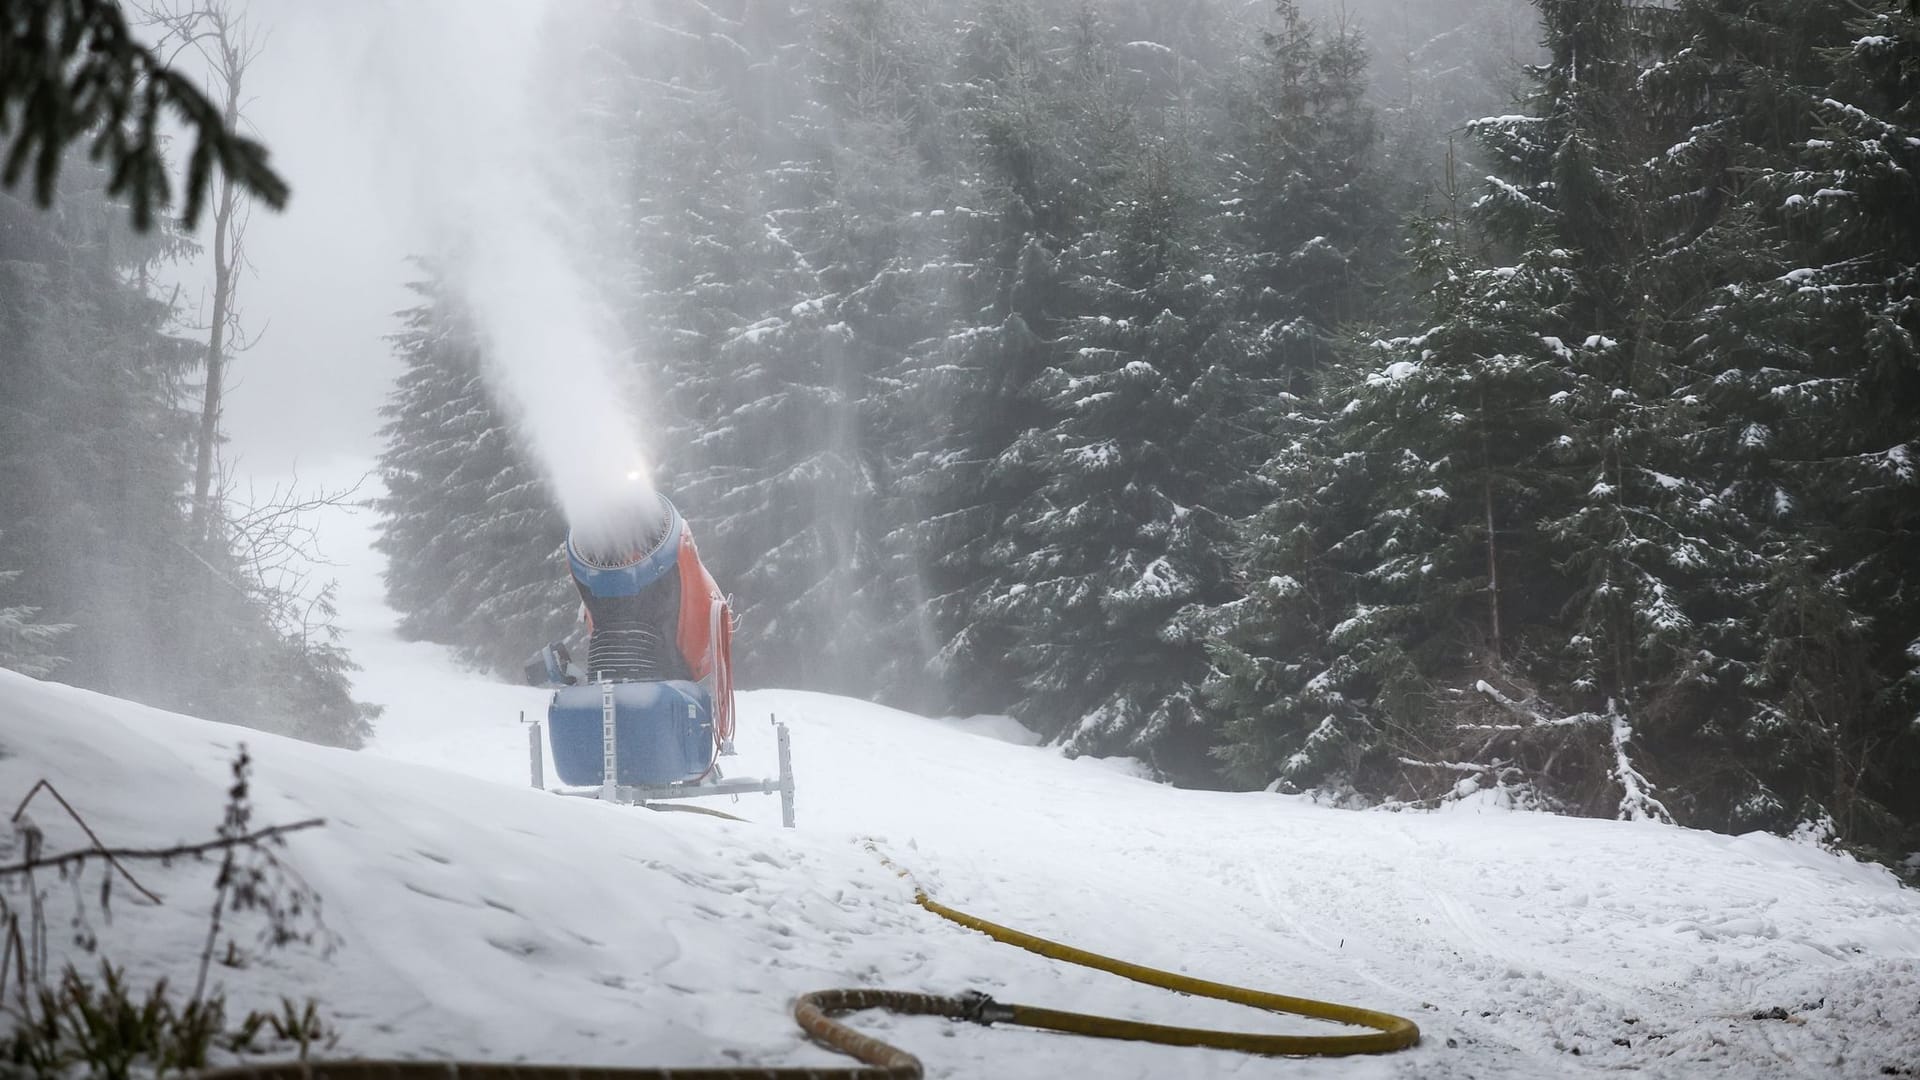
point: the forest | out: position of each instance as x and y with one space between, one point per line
1387 401
112 575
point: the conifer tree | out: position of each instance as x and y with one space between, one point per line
972 385
1007 295
1144 467
93 467
1799 396
1398 558
472 539
91 448
1680 345
1294 697
764 378
1304 207
26 644
79 73
883 203
1305 223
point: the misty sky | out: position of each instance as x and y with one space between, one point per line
360 103
391 119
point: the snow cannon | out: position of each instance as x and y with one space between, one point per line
651 711
656 685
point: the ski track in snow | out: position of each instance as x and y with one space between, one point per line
479 918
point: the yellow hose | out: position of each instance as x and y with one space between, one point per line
1391 1032
815 1013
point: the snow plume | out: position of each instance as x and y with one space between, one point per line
552 360
513 199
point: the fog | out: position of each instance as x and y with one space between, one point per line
1471 410
1391 403
507 194
433 129
420 130
704 191
307 395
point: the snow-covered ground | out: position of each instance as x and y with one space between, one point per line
481 918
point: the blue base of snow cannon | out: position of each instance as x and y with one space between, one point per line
663 733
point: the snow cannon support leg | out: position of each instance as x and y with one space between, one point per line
786 773
609 750
536 760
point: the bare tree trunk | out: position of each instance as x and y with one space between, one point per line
216 362
1626 589
230 55
1493 542
1493 569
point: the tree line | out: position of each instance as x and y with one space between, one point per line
1395 423
127 562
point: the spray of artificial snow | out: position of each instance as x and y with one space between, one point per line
506 199
552 360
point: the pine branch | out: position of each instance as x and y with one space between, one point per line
77 72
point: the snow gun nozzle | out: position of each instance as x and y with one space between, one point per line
623 531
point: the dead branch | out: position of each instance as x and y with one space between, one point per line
1448 766
178 851
1527 711
47 786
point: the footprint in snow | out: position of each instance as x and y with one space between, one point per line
516 946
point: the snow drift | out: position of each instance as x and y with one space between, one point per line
478 917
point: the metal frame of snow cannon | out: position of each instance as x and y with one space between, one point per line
641 794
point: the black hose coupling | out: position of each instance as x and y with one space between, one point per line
982 1009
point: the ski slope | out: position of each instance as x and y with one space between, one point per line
478 917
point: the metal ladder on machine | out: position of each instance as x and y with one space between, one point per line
641 794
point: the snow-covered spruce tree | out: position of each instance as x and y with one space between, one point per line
1025 193
1691 230
785 496
91 440
27 645
1871 116
1145 467
1631 537
1495 553
1019 591
1302 224
888 193
1294 704
1682 611
93 468
1400 561
1796 181
806 218
1303 215
750 258
886 190
1437 67
972 386
471 536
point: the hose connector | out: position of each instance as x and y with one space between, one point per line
982 1009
